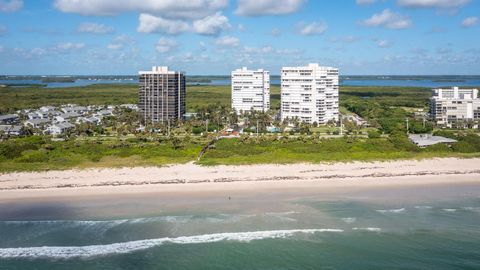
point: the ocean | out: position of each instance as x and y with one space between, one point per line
381 229
400 81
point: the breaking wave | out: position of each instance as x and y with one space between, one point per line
400 210
369 229
66 252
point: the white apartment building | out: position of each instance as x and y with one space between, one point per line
451 105
310 93
250 90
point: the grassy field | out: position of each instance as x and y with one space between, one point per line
37 153
236 152
40 154
14 98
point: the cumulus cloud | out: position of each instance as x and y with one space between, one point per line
210 25
165 45
469 22
383 43
439 4
172 9
314 28
228 41
94 28
267 7
10 6
152 24
68 46
388 19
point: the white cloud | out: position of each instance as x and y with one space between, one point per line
94 28
1 49
439 4
68 46
152 24
366 2
120 41
345 39
314 28
228 41
383 43
171 9
165 45
276 32
3 30
115 46
211 25
389 20
267 7
10 6
470 21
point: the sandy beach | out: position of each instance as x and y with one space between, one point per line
190 179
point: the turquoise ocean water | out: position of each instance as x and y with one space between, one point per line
314 234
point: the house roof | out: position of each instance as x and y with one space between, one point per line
37 121
423 140
8 116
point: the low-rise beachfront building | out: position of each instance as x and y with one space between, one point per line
60 128
66 116
310 94
74 109
36 123
250 90
11 130
449 106
9 119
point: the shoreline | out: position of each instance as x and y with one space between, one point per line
194 180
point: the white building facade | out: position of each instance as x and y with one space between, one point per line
448 106
310 93
250 90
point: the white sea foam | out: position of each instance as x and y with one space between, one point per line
450 209
400 210
471 208
132 246
349 220
423 207
369 229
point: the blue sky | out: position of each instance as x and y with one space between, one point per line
206 37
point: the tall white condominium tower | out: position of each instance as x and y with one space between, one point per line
161 95
451 105
310 93
250 90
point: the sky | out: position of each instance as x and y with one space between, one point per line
213 37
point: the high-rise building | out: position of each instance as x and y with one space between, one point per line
448 106
250 90
161 95
310 93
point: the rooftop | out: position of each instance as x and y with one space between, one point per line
424 140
